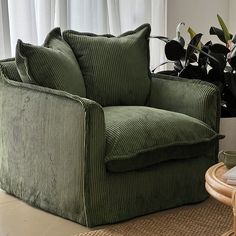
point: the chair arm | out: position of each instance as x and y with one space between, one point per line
195 98
45 149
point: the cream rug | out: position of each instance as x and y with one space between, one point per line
209 218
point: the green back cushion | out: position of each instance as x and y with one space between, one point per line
52 65
115 69
138 137
8 67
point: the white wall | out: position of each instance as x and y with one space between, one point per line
199 14
232 16
228 128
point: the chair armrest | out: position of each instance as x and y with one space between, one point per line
195 98
50 140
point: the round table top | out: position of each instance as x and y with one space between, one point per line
217 186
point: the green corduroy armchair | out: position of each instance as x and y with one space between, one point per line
95 164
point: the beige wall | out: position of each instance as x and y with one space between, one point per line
199 14
228 128
232 16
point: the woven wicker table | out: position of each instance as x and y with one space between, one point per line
220 190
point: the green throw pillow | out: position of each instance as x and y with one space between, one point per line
52 65
115 69
8 67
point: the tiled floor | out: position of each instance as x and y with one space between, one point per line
19 219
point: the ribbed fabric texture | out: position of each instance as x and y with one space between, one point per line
53 66
57 162
195 98
42 156
115 69
133 131
8 67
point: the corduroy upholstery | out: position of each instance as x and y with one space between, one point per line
115 69
139 136
52 65
8 66
53 149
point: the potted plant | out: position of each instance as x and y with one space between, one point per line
212 62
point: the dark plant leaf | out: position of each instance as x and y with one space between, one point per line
232 62
192 34
193 58
178 66
174 50
193 72
228 69
202 59
230 79
162 38
216 78
232 58
227 35
209 43
219 48
180 40
230 102
229 94
190 50
219 33
220 62
204 53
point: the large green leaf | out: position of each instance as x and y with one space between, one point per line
219 48
192 33
174 50
190 50
227 35
219 33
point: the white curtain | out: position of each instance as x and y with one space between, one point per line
31 20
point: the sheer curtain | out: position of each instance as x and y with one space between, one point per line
31 20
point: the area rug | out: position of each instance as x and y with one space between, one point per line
209 218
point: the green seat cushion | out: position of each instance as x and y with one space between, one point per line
115 69
138 137
8 67
52 65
